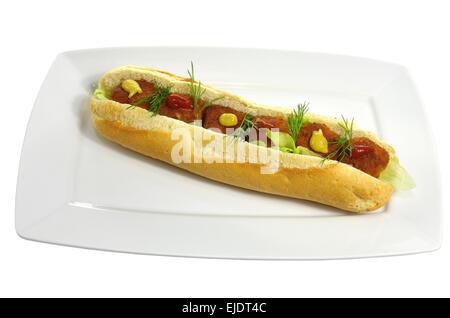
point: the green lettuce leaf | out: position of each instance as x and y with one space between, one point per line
285 143
281 140
305 151
100 94
286 149
397 176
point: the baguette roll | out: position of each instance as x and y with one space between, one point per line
298 176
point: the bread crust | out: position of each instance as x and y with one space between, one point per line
303 177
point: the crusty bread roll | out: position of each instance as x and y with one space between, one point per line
299 176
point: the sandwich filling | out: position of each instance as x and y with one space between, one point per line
295 133
365 155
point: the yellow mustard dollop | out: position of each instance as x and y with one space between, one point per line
228 120
318 142
131 87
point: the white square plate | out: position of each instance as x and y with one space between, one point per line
77 189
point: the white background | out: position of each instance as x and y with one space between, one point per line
412 33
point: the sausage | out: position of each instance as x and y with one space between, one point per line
121 96
269 122
306 132
212 113
369 157
272 122
371 162
184 114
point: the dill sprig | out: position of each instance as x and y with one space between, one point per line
154 100
246 124
296 120
344 142
196 91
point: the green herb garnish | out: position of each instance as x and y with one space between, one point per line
297 119
344 142
196 91
155 100
246 124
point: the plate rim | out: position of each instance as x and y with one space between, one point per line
25 233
